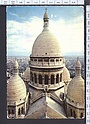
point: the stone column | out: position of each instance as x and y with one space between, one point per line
37 80
49 81
16 112
59 80
42 80
25 109
33 80
77 113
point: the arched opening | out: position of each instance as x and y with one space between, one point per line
74 114
52 79
57 78
12 111
31 76
22 110
71 112
9 112
35 78
46 79
81 115
60 77
40 79
19 111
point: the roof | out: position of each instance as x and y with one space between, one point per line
45 106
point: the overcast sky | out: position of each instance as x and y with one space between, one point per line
25 23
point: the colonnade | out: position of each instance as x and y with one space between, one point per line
45 79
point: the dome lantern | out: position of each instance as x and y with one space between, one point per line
15 67
78 67
46 19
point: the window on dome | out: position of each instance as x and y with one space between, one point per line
31 76
81 115
12 111
39 60
31 59
52 60
46 60
60 77
52 79
19 111
57 78
40 79
9 111
57 60
22 110
35 60
35 78
46 79
72 101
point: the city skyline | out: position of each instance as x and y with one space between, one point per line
21 28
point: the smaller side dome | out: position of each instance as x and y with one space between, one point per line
66 74
16 89
26 74
75 90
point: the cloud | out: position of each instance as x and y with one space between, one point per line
21 35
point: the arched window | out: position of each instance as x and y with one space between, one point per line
57 78
35 78
31 76
81 115
71 112
40 79
46 79
60 77
9 111
19 111
22 110
12 111
52 79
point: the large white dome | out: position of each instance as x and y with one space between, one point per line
46 44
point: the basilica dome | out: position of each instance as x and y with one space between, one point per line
75 90
46 44
66 74
16 89
26 74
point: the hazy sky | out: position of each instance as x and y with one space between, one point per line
25 23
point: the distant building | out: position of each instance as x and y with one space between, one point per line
51 93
